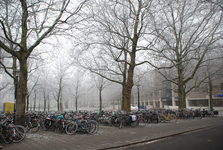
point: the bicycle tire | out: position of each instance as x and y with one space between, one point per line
155 121
71 128
142 122
27 126
61 129
97 125
8 136
201 116
7 140
161 118
119 123
91 127
35 127
173 118
134 123
41 122
20 133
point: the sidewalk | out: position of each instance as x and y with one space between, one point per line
108 136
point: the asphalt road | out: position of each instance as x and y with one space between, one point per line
208 139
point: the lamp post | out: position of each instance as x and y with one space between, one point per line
16 73
138 95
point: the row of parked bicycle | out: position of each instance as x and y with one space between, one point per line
150 116
10 132
85 121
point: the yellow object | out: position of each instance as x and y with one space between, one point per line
9 107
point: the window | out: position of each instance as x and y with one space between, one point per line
218 102
157 104
198 102
176 103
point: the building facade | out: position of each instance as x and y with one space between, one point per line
196 98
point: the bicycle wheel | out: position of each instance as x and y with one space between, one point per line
200 116
119 123
7 140
27 126
97 125
155 120
46 125
35 127
7 135
142 122
172 118
134 123
20 133
161 118
41 122
91 127
71 128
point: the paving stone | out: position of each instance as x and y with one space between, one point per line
108 136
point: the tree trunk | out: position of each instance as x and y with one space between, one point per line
76 102
123 96
129 84
128 89
48 103
22 92
124 81
181 90
58 101
27 103
100 98
39 106
34 104
61 104
181 97
210 93
44 102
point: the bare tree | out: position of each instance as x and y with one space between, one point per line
185 32
30 92
212 71
117 26
101 83
61 71
44 86
3 86
76 86
37 20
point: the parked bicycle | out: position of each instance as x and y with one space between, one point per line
197 114
32 124
10 132
167 116
79 124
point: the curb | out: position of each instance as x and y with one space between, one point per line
160 138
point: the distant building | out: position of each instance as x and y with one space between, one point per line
166 98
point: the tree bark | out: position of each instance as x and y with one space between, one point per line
76 102
210 92
181 88
44 101
27 103
22 92
130 83
100 98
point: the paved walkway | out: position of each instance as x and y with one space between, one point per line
108 136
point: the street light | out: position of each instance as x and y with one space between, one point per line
138 95
16 74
